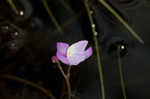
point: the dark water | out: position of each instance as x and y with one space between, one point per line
28 40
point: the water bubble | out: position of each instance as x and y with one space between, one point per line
21 13
93 25
5 27
12 44
95 33
122 47
91 12
114 43
16 33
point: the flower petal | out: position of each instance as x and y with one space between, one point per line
76 58
77 47
62 48
88 52
62 58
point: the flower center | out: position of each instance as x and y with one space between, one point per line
69 53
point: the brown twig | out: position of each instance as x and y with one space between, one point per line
11 77
66 77
68 86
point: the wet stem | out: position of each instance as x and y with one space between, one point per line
66 77
13 6
125 24
51 15
121 74
96 47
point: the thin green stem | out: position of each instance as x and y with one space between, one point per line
99 68
65 4
97 49
51 16
121 74
66 77
106 5
11 3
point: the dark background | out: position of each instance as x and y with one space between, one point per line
28 55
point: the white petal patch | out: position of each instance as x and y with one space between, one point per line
78 47
76 58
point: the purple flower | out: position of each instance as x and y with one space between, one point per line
74 54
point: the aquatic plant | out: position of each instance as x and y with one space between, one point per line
76 53
100 70
119 47
73 55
